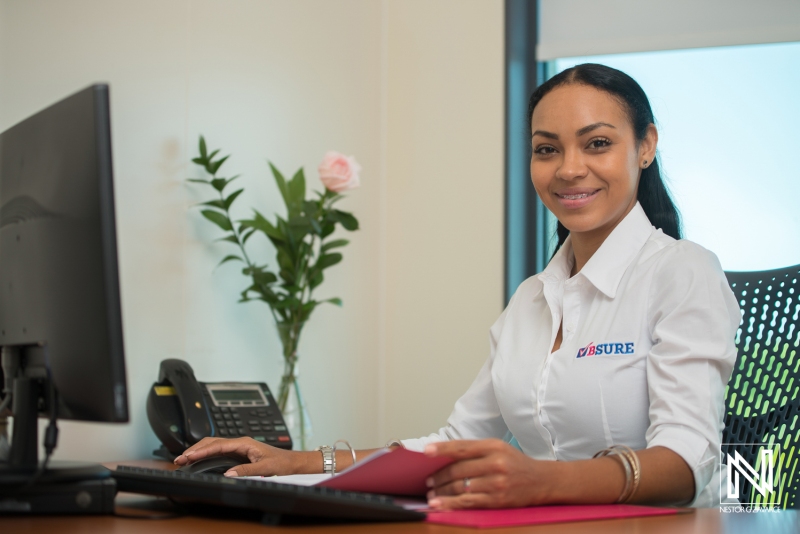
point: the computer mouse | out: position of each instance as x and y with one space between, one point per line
214 465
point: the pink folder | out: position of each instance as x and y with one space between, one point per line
538 515
396 472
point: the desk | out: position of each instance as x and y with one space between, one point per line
702 521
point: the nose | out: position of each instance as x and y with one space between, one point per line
572 166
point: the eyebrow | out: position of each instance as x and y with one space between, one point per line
582 131
587 129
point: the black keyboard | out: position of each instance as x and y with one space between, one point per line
278 502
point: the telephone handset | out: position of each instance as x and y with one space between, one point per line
182 411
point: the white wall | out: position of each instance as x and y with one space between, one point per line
412 88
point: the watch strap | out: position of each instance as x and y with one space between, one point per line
328 459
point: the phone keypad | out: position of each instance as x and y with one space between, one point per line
263 423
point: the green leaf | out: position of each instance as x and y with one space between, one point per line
214 203
203 152
259 222
231 238
230 257
214 166
333 244
246 235
284 260
198 181
229 200
219 183
336 300
328 260
265 278
211 156
297 189
218 218
282 187
345 219
316 279
199 161
287 276
327 229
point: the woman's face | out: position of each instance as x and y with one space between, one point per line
586 160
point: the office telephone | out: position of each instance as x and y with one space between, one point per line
182 411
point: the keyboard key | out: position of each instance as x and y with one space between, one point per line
265 422
227 416
242 432
255 429
259 438
280 428
230 423
223 432
284 438
239 424
237 416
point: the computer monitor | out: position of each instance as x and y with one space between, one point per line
60 317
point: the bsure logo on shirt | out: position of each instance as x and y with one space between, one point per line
605 348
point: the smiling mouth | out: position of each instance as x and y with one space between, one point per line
577 196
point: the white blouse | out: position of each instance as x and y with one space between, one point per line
648 347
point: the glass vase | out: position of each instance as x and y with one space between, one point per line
290 399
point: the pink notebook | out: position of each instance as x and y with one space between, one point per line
538 515
395 472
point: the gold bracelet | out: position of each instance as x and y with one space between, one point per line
630 462
636 467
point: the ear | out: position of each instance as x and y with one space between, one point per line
647 147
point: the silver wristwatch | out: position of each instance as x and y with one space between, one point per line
328 459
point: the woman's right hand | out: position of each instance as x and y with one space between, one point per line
264 459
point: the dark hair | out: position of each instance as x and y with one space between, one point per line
652 194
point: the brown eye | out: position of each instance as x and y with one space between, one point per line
599 143
544 150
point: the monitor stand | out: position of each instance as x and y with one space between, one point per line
61 488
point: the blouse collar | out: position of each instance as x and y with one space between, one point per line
605 268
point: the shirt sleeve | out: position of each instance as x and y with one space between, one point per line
476 414
693 317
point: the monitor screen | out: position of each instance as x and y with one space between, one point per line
59 286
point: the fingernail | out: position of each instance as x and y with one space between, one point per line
231 473
431 494
434 503
429 482
175 461
430 449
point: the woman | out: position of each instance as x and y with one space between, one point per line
624 342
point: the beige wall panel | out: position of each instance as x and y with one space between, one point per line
287 81
279 80
50 49
445 204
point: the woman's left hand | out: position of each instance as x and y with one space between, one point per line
487 474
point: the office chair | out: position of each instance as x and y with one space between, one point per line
761 400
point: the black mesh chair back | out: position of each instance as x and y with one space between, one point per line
761 400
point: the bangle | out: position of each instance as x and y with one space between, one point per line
352 451
630 462
394 443
328 459
628 453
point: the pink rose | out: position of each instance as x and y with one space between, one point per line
339 172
